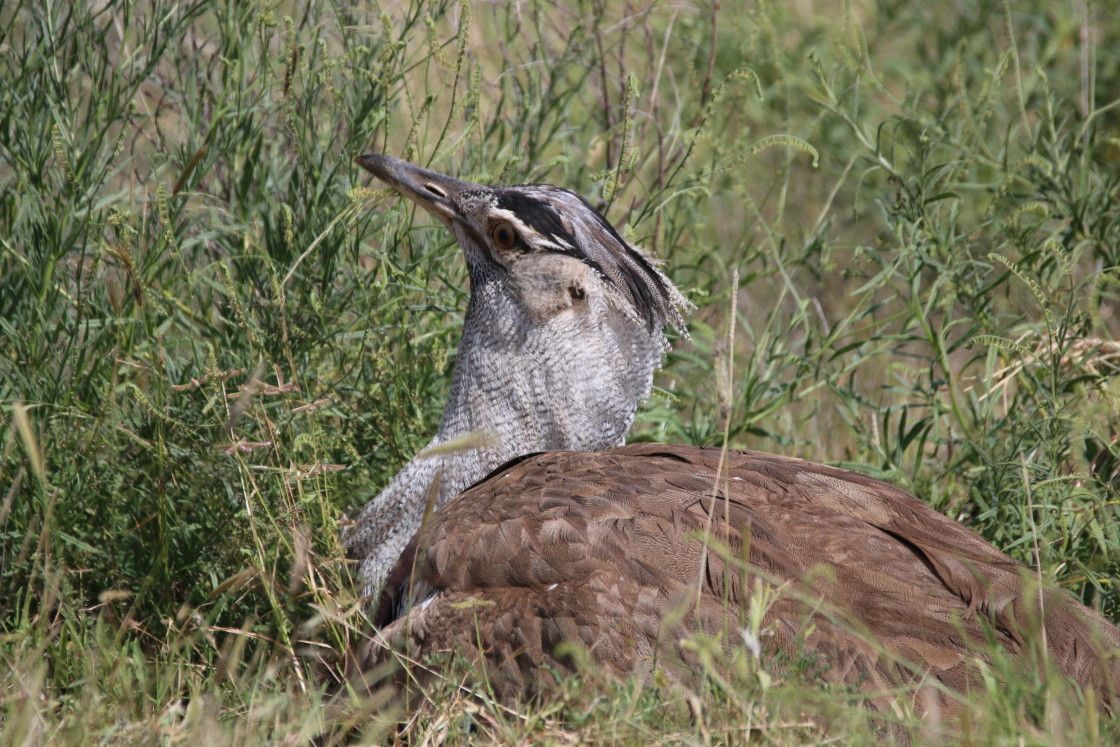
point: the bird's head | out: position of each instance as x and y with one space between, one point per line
546 245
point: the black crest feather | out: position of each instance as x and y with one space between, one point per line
568 219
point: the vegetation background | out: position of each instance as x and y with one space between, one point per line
899 220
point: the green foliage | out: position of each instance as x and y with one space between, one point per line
900 222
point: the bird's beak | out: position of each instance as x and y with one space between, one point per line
437 193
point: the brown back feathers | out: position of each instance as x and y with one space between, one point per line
626 552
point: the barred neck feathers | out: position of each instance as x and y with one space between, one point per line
563 332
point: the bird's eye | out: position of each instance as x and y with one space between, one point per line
503 235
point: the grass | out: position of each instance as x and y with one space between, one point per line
216 337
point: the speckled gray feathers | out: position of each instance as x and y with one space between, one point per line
562 334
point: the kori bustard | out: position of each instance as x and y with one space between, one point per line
623 551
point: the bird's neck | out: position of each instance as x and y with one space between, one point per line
517 388
571 383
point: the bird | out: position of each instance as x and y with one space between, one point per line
527 529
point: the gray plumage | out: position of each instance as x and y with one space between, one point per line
562 335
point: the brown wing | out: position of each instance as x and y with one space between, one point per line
606 552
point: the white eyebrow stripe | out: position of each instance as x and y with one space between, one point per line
500 214
528 234
559 242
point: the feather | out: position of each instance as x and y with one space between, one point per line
875 582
